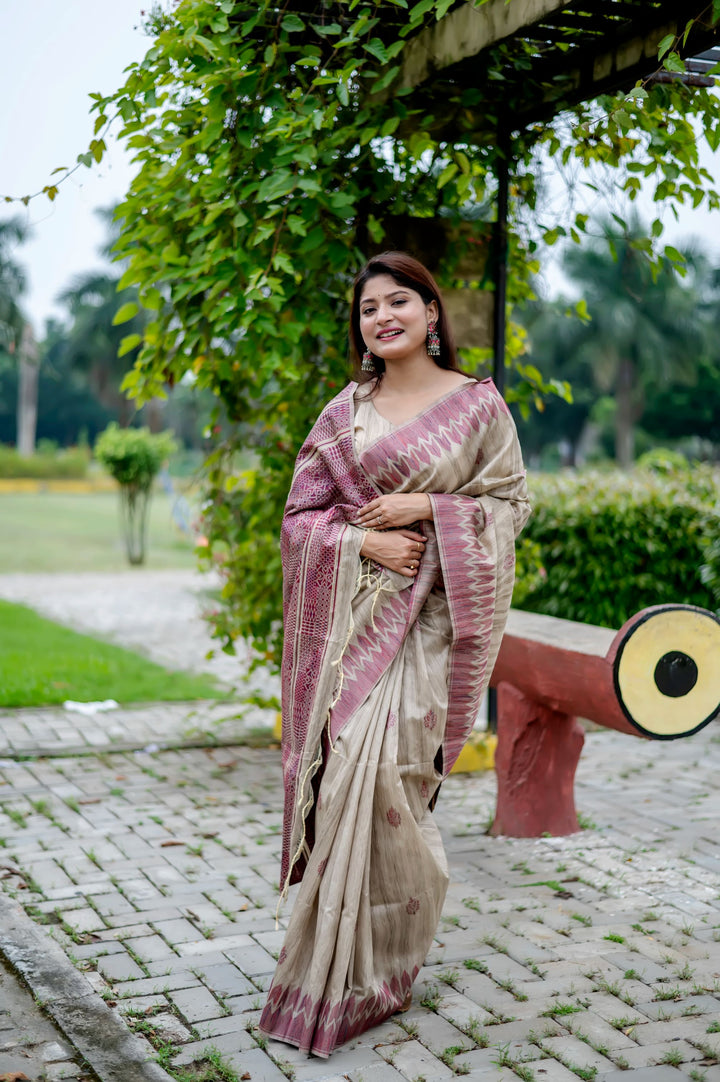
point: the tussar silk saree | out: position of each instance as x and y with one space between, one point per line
382 678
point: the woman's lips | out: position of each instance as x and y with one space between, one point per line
389 334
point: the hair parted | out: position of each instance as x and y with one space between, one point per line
408 272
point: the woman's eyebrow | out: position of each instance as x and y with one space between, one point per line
393 293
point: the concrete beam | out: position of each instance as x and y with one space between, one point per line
465 32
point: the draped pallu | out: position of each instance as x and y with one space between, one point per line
382 678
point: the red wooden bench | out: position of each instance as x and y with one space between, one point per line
657 677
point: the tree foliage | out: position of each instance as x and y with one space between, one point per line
272 155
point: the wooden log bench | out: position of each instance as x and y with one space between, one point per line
658 677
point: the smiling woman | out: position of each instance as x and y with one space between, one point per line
398 560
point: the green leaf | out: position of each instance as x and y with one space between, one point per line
666 44
674 62
376 48
331 28
673 254
125 312
447 174
419 11
638 93
292 24
342 92
152 299
715 12
128 343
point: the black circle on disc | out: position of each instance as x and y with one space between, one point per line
676 674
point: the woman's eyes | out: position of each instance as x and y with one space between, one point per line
369 311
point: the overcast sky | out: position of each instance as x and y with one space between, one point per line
56 54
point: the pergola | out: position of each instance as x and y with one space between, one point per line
552 55
534 58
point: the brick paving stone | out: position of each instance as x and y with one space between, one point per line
462 1011
598 1031
611 1007
686 1028
549 1070
111 904
176 931
439 1034
375 1072
648 1074
151 948
119 967
236 1041
649 1054
171 1028
690 1006
226 979
250 958
572 1051
412 1059
146 1004
479 1059
196 1004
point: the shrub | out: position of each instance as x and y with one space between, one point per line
614 543
133 456
46 465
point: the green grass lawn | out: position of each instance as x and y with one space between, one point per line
55 531
42 663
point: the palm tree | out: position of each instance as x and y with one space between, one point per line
12 283
16 333
92 341
644 329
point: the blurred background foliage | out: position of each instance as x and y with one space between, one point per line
274 163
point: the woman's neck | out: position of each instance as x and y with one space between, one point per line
411 374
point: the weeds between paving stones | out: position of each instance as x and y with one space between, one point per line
476 964
448 1058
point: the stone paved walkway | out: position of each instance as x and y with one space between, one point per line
593 956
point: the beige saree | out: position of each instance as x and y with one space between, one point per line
382 678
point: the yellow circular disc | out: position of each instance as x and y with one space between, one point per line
692 638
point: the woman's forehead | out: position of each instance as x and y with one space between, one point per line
382 285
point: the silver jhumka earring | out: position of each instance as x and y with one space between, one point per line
367 362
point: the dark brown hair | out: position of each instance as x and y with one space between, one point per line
411 274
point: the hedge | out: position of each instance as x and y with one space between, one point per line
609 544
44 465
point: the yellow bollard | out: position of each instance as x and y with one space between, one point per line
477 754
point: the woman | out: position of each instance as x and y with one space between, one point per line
398 558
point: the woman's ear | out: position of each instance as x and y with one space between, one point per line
432 312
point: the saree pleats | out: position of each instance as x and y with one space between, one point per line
373 890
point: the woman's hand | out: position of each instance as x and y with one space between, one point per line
395 509
398 551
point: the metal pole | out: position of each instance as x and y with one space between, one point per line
500 239
501 256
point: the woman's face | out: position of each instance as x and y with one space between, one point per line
394 319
